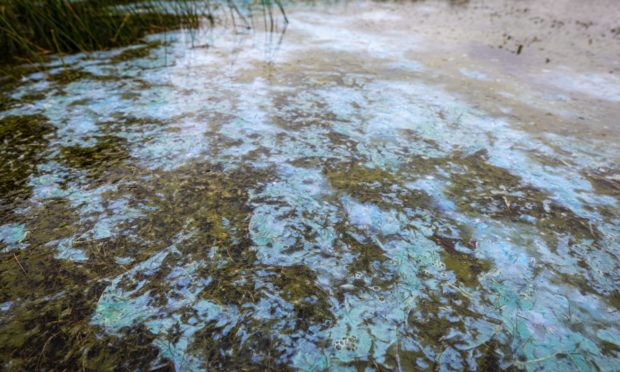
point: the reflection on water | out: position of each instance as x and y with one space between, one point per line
323 207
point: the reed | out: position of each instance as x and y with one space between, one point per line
32 29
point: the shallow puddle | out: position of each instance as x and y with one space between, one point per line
358 192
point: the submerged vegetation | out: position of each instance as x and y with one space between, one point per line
107 151
332 213
22 138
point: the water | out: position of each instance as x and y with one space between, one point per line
346 195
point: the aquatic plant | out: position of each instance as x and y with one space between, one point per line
308 217
30 29
22 138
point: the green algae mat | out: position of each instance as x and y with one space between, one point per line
348 195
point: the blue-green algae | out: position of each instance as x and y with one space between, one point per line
195 214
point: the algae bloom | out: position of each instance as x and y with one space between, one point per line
372 186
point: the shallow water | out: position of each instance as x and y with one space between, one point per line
359 192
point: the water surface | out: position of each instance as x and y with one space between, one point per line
380 187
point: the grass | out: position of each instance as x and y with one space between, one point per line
32 29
